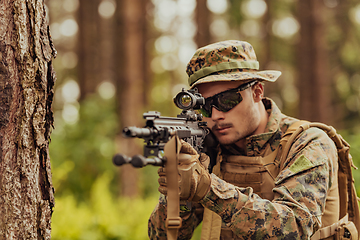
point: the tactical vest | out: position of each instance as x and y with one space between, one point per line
259 173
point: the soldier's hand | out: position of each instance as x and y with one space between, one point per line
194 179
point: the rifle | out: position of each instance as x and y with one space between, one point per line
162 134
158 130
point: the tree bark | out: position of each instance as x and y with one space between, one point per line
314 84
26 93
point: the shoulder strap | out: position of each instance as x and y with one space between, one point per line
173 220
291 133
273 165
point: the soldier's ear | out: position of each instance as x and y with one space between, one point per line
258 92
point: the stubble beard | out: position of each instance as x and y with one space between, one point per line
238 135
231 141
227 139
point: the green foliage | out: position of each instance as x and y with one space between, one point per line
83 151
354 140
103 216
87 206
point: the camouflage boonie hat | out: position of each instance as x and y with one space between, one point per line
226 61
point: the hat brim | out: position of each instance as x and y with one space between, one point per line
268 75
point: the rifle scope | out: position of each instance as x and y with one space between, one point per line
189 99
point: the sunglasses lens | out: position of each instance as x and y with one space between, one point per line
206 109
205 113
224 102
228 100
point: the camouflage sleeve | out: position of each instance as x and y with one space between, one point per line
300 193
190 213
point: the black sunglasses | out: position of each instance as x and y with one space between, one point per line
224 101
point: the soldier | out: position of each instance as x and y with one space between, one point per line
254 191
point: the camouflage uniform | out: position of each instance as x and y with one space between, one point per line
300 189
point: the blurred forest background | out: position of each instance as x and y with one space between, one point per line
119 58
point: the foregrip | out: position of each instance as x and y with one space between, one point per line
137 161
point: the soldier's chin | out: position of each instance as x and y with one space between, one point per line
226 140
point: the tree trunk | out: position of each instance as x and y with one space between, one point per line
341 14
202 18
106 55
89 47
314 84
131 74
26 93
267 55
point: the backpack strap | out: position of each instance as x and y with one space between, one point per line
291 133
328 231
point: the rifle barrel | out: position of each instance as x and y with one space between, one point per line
138 132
